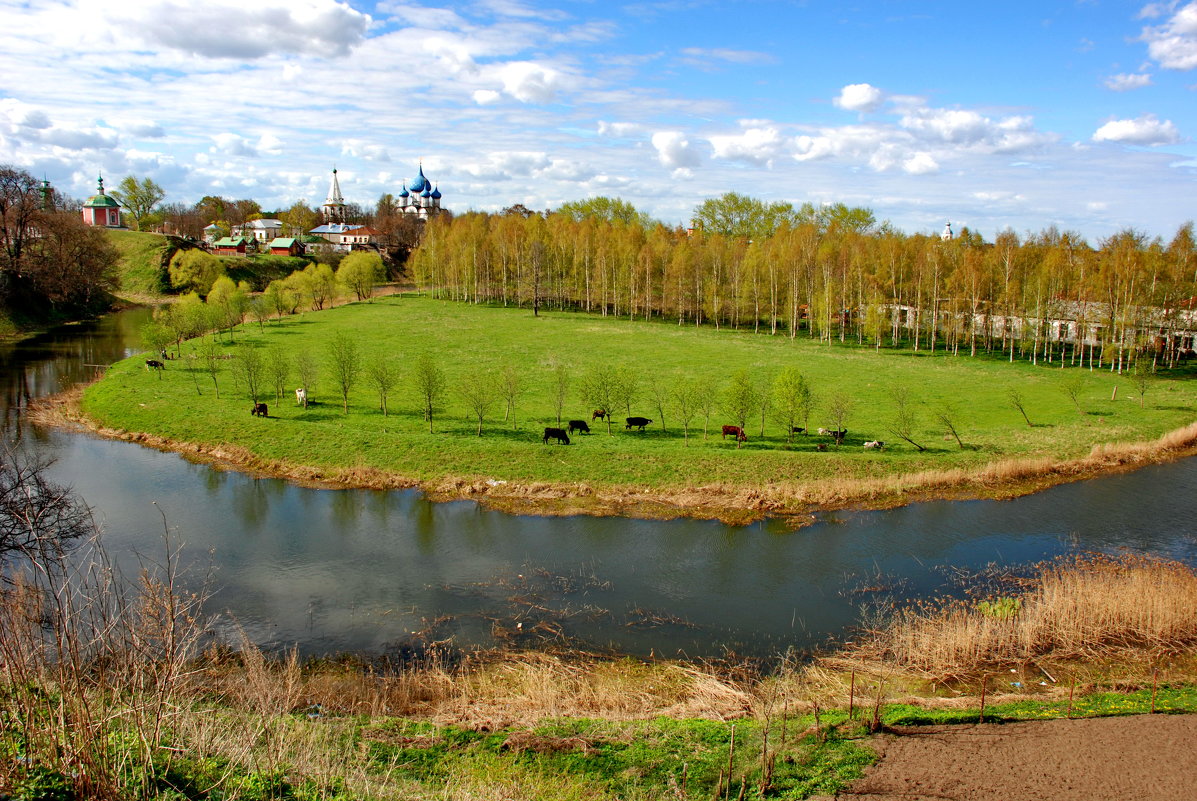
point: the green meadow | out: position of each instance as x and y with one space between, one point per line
470 343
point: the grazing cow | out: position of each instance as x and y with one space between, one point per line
599 414
557 434
259 410
637 422
578 425
154 364
301 397
798 430
824 432
838 436
736 432
822 446
875 445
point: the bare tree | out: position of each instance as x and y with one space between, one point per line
560 387
308 369
658 393
346 364
627 388
209 352
1142 374
1018 402
511 386
430 385
708 395
947 417
39 520
685 395
905 419
1072 388
839 408
382 376
278 368
600 390
480 393
249 368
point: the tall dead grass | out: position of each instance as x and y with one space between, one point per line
1081 608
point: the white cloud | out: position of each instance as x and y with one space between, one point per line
529 82
859 97
1173 44
699 56
485 97
920 164
619 129
235 29
755 145
674 150
1145 130
1124 82
271 144
230 144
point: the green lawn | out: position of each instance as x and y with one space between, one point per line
140 265
468 341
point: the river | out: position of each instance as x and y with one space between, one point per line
380 572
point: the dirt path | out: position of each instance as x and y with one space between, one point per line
1144 758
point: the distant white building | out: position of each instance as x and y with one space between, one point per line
260 230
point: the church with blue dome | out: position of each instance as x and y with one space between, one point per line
421 198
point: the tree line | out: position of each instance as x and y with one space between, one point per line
832 274
52 265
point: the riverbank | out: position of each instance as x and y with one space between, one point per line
1082 423
796 501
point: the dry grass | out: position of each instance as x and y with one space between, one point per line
1091 608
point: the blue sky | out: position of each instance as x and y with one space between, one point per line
1023 115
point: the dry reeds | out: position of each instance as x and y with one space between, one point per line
1078 608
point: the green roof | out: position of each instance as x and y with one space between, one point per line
101 202
282 242
229 242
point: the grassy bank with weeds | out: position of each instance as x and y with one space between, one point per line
115 692
1083 421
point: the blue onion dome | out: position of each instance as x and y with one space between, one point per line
420 183
427 191
436 194
405 193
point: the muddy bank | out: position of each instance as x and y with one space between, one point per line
1142 757
798 502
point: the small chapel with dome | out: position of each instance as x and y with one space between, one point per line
421 198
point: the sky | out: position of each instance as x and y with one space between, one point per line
1022 115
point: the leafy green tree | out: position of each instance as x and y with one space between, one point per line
839 409
155 337
138 197
345 363
733 214
741 399
360 272
791 399
299 218
229 302
321 285
604 209
430 384
194 270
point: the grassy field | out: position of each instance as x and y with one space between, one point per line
469 342
140 265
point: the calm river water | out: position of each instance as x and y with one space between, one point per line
354 570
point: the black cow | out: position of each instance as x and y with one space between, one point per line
578 425
259 410
556 433
154 364
798 430
637 422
